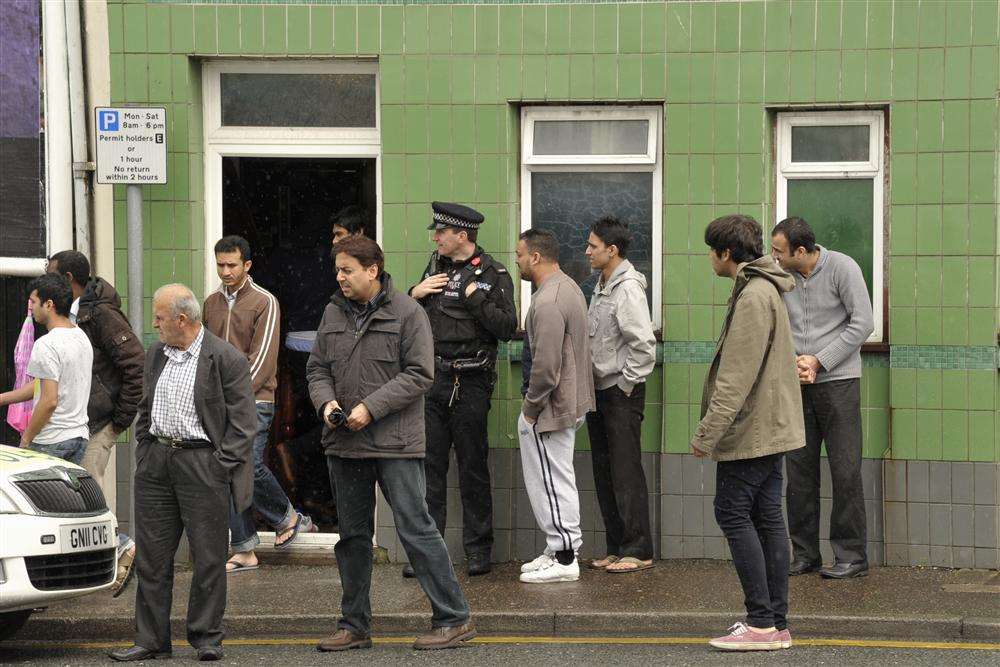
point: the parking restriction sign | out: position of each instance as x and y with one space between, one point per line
131 145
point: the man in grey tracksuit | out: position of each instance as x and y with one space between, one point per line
623 350
831 317
560 393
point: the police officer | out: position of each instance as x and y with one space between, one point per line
469 298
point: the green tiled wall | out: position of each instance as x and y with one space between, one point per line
453 74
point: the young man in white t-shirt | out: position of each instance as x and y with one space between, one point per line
61 364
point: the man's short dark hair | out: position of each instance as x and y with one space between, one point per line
361 248
613 232
543 242
740 234
72 261
353 218
55 288
798 232
232 243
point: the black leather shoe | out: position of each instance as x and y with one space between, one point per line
845 570
803 567
210 653
479 565
137 653
408 572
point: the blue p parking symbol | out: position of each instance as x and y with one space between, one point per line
109 121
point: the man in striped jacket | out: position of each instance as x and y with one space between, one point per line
248 317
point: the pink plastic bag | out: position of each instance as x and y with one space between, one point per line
19 414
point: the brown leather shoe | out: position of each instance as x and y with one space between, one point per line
445 637
343 640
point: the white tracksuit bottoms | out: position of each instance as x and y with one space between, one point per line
549 478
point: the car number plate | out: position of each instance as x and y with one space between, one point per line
87 536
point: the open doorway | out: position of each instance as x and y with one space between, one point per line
283 207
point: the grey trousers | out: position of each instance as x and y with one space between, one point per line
550 481
180 490
832 412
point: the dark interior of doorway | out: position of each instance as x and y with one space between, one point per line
283 207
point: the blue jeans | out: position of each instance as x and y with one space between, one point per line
71 450
268 497
402 483
748 510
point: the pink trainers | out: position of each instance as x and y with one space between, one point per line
742 638
785 637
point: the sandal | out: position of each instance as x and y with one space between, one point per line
629 560
304 524
237 566
593 564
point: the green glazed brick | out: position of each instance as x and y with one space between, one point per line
368 30
954 389
928 389
726 179
984 71
902 327
931 68
982 436
929 230
394 228
905 17
727 127
751 77
415 85
321 32
778 23
904 434
933 20
902 174
904 74
701 186
955 226
678 28
510 29
463 29
487 79
160 73
700 322
982 390
853 66
801 76
487 29
929 178
345 26
136 79
675 220
982 326
275 30
929 435
954 281
702 128
678 77
533 28
557 29
510 77
956 126
828 25
251 29
654 76
439 29
702 26
879 75
487 178
487 130
415 28
727 27
982 128
902 281
181 29
417 178
393 179
956 177
751 26
463 121
605 77
702 75
803 26
776 77
557 77
606 28
981 180
955 435
751 179
298 28
928 326
204 29
727 74
391 28
880 25
676 430
828 76
415 119
676 286
629 77
391 79
959 23
439 79
958 72
581 21
984 23
534 77
982 283
464 177
928 282
854 17
675 322
158 28
929 126
463 80
752 121
134 17
629 28
982 229
654 28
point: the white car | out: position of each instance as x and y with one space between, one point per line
58 539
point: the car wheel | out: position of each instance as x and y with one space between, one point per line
11 622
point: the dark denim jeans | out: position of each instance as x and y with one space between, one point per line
748 510
71 450
268 497
832 412
402 483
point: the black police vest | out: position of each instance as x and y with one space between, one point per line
457 333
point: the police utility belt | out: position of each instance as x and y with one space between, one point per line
178 443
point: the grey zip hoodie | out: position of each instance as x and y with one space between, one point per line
622 346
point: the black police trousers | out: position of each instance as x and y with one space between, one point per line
462 424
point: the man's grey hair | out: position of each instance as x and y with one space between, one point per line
181 299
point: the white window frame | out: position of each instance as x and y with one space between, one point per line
873 168
649 162
292 142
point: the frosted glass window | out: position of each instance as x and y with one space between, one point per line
591 137
830 143
298 100
568 203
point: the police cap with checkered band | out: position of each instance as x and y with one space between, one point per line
447 215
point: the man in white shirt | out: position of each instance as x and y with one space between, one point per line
61 366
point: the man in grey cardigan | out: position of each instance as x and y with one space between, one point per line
831 317
560 393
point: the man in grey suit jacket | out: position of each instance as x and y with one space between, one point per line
194 434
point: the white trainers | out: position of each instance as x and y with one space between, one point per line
552 571
533 565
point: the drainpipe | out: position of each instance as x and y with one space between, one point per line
58 154
78 128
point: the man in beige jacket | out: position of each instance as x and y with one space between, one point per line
751 415
560 394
